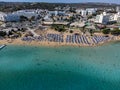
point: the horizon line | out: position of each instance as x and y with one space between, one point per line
58 2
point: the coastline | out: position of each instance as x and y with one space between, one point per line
18 41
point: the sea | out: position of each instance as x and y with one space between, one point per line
60 68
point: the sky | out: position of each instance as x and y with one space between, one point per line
65 1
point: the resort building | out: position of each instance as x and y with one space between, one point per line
88 11
83 13
8 17
118 17
91 11
27 13
78 11
114 17
117 9
102 18
55 16
55 13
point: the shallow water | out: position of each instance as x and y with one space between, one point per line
60 68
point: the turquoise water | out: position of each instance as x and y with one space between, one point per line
60 68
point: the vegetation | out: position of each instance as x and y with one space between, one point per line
83 29
14 6
32 18
72 10
115 32
10 33
89 17
71 31
59 28
71 19
91 32
23 29
2 33
23 18
94 14
106 31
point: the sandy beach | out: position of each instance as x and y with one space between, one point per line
18 41
36 43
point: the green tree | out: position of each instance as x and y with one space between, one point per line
115 32
106 31
89 17
91 31
23 18
32 18
59 28
2 33
71 31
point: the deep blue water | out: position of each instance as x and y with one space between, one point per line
60 68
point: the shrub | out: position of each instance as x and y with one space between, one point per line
2 33
71 31
59 28
115 32
106 31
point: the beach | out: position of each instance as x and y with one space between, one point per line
59 45
19 41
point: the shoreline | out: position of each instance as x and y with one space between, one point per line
50 44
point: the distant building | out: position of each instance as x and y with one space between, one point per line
55 13
8 17
78 11
91 11
27 13
55 16
118 20
118 17
88 11
15 16
83 13
115 17
107 18
102 18
2 16
12 17
117 9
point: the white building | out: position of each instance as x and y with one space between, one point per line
117 9
118 20
88 11
102 18
83 13
55 13
8 17
118 17
15 16
115 17
107 18
27 13
78 11
2 16
91 11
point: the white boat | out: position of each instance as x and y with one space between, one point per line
2 46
